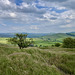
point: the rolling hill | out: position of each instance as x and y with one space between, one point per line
30 35
45 39
42 35
58 37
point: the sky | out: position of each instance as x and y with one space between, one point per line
37 16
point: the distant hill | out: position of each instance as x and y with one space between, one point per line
42 35
7 34
58 37
30 35
71 34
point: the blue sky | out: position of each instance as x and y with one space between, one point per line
37 16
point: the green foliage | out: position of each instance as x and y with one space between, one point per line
52 45
57 44
69 43
44 47
21 41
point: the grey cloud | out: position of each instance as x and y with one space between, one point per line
70 4
55 0
29 1
53 18
14 8
30 9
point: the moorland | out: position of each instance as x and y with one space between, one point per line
45 60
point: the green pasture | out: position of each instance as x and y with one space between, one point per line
3 40
37 41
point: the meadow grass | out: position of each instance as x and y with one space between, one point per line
35 61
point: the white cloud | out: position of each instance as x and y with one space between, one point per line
12 15
61 8
34 27
66 26
5 2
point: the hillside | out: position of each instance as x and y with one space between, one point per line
35 61
30 35
44 39
58 37
44 35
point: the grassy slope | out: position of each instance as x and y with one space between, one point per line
58 35
49 40
52 39
35 61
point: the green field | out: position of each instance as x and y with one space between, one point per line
46 40
3 40
37 41
36 61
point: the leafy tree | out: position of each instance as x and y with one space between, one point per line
21 41
57 44
69 43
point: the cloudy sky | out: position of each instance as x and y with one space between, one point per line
37 16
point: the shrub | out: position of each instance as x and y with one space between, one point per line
57 44
69 43
44 47
52 45
21 41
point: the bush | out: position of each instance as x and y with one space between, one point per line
57 44
21 41
52 45
69 43
44 47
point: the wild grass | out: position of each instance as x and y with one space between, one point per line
35 61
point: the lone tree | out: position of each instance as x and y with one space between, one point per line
21 41
57 44
69 43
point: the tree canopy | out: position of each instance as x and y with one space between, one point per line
21 40
69 43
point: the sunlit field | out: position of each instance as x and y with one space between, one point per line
37 41
3 40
